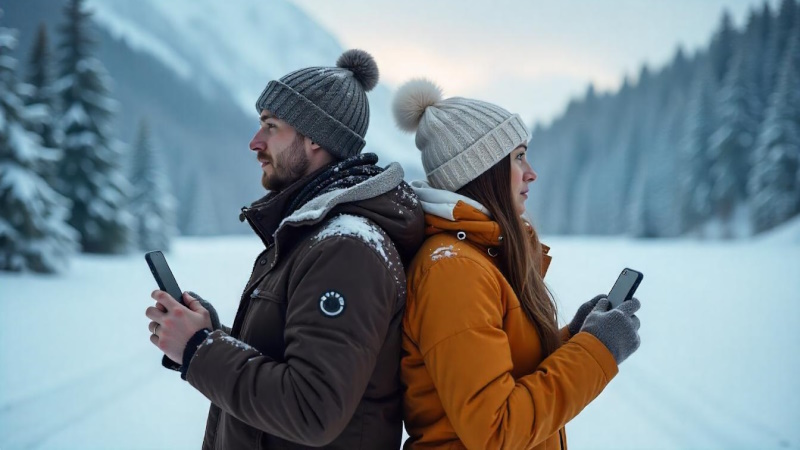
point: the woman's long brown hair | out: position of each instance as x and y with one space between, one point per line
520 254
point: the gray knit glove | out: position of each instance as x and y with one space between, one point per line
211 311
577 322
617 329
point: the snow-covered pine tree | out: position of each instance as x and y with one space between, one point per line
585 151
600 213
774 185
731 143
693 166
41 99
785 23
33 230
722 47
622 135
650 122
681 69
754 43
566 166
766 56
778 30
660 208
152 204
91 171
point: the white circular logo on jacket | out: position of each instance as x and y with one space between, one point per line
331 304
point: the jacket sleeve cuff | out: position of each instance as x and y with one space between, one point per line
191 349
170 364
599 351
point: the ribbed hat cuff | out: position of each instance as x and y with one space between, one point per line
310 120
480 156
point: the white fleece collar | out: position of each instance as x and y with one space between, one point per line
318 207
441 202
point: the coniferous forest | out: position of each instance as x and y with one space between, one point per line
708 146
64 181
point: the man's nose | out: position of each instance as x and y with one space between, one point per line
258 144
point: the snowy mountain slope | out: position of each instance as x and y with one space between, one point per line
204 141
240 45
716 369
194 70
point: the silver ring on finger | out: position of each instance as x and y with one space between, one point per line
155 329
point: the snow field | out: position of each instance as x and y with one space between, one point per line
717 367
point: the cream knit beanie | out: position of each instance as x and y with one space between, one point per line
459 138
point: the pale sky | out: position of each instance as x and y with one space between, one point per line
530 57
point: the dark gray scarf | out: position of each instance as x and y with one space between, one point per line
340 175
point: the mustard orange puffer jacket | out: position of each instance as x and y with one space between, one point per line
472 366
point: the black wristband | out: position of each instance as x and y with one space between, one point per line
191 349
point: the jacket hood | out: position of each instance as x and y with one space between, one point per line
447 211
450 212
385 199
389 202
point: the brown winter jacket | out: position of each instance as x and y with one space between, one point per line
313 356
472 365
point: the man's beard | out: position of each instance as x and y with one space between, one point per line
290 165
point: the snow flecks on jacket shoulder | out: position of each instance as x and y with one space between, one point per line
443 252
359 227
407 194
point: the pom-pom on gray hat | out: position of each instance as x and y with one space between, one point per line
459 138
327 104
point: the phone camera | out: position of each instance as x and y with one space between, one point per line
624 272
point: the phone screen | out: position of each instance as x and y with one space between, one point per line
163 274
624 288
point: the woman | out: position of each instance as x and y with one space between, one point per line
485 365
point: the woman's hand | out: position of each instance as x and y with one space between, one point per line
617 328
576 323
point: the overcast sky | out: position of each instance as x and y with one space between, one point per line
529 56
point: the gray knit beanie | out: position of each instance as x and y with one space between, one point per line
327 104
459 138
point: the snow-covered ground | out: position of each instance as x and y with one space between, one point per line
718 366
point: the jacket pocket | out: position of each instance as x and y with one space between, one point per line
263 294
264 323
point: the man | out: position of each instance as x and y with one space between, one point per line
313 356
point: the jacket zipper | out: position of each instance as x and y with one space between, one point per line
244 319
250 286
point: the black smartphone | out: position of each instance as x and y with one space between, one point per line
163 275
626 285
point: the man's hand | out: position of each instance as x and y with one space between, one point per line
173 324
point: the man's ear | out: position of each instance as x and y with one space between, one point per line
311 145
316 154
